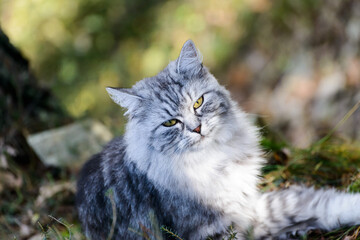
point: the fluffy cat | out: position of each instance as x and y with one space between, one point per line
191 156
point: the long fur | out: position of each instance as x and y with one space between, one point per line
197 184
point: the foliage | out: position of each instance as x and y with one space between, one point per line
332 164
81 46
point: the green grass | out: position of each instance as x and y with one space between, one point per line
335 164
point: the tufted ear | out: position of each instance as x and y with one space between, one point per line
189 62
125 97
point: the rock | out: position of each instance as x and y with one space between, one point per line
70 145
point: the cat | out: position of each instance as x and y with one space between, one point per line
190 156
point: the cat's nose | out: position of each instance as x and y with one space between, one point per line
198 129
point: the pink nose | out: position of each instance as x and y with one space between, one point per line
198 129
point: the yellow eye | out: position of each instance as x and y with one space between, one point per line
170 123
199 102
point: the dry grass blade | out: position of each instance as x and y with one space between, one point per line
110 195
170 232
356 234
340 123
68 228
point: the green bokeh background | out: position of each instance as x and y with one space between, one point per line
78 47
276 57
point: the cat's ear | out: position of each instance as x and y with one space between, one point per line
189 62
125 97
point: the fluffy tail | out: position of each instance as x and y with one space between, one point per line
299 209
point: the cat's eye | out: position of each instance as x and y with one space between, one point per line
199 102
170 122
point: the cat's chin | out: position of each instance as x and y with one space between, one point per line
213 138
200 143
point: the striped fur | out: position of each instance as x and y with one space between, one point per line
197 183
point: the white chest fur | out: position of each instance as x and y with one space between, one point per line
225 184
220 178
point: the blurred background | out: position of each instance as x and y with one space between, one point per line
293 64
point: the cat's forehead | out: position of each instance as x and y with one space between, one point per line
170 87
170 94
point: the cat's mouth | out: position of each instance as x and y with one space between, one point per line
200 141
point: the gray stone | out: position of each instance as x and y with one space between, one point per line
70 145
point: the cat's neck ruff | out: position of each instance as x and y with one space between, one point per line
201 174
224 176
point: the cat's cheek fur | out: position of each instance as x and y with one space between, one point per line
218 129
139 151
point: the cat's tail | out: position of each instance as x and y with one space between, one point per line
298 209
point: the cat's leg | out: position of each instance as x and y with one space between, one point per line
299 209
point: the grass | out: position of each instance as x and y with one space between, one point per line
52 231
333 164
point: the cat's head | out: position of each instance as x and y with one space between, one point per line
181 109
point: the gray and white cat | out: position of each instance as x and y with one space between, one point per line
191 156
